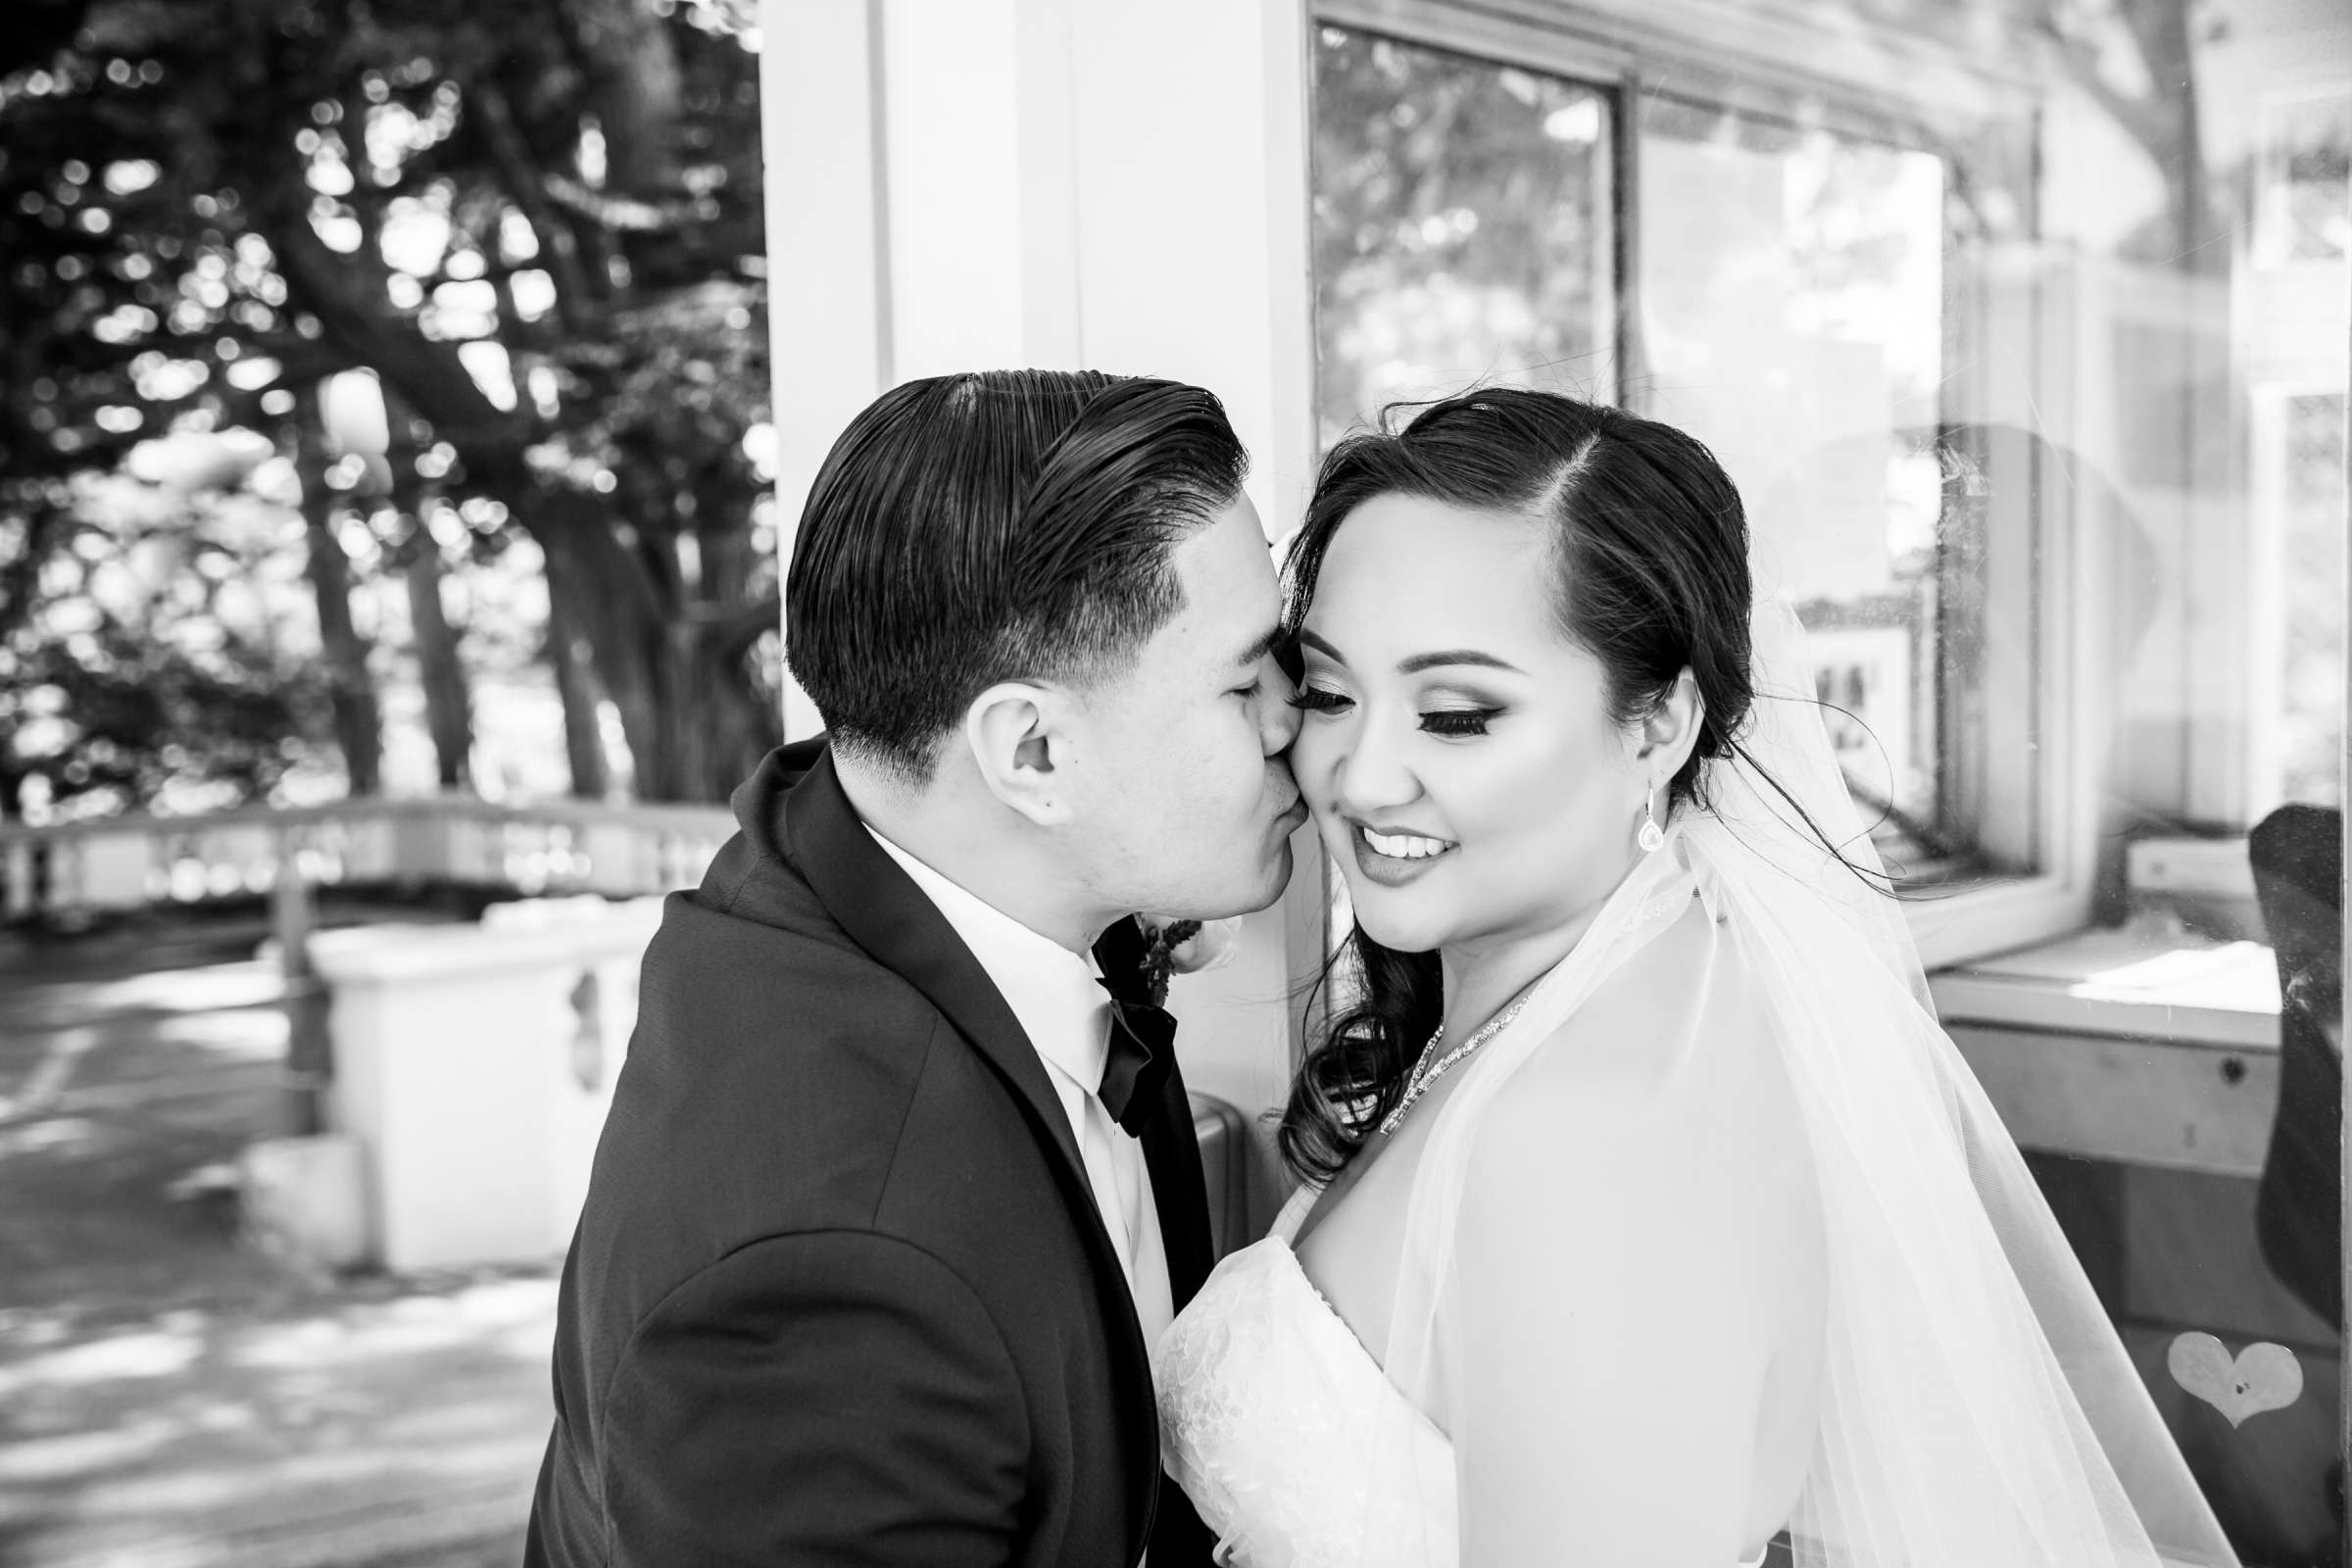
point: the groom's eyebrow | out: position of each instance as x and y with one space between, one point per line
1266 644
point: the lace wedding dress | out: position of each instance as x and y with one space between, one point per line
1264 1398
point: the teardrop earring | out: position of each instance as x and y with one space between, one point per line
1652 835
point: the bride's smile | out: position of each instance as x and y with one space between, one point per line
1394 855
1461 754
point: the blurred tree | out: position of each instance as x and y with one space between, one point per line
539 226
153 669
1463 227
351 688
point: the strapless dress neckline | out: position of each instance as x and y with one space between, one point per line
1266 1401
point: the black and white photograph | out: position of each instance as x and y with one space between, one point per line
1106 784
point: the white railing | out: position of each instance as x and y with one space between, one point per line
447 1081
128 863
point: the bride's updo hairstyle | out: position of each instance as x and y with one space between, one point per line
1650 576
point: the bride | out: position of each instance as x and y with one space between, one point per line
1648 1214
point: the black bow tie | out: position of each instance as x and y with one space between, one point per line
1143 1041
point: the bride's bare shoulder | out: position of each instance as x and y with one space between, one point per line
1666 1020
1670 1067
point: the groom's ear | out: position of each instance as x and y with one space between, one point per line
1671 729
1019 734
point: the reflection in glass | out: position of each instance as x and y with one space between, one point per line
2024 330
1794 317
1462 228
2294 280
1797 307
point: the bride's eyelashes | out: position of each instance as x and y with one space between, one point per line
1449 721
1458 720
1315 700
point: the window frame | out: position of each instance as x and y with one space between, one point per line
1749 60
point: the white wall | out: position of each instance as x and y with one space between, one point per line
977 184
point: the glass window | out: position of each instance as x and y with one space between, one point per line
1463 227
2306 461
1794 293
2023 331
1794 300
2297 320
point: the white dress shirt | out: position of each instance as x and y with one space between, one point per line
1066 1015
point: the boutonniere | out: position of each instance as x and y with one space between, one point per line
1185 947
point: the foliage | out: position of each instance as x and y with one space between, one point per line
1461 222
539 225
153 671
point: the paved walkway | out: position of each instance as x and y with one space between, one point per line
170 1395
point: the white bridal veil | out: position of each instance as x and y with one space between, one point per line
1979 1411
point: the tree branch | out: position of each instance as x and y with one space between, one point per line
428 374
526 186
730 635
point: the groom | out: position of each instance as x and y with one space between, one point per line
895 1193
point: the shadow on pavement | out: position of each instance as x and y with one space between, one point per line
172 1396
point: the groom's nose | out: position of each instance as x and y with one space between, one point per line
1277 719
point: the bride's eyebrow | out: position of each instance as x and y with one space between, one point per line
1418 663
1455 656
1321 646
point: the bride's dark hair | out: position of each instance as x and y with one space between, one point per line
1649 575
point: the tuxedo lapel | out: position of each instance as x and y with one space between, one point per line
888 915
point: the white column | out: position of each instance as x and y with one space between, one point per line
1097 185
828 317
981 184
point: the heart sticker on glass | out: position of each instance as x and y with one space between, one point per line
2261 1377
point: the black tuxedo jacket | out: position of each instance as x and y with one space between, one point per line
840 1293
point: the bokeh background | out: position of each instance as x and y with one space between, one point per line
404 411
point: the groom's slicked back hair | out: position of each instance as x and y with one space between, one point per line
1003 525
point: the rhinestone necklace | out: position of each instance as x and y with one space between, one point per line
1426 1073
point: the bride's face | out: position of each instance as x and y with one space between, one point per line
1456 748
